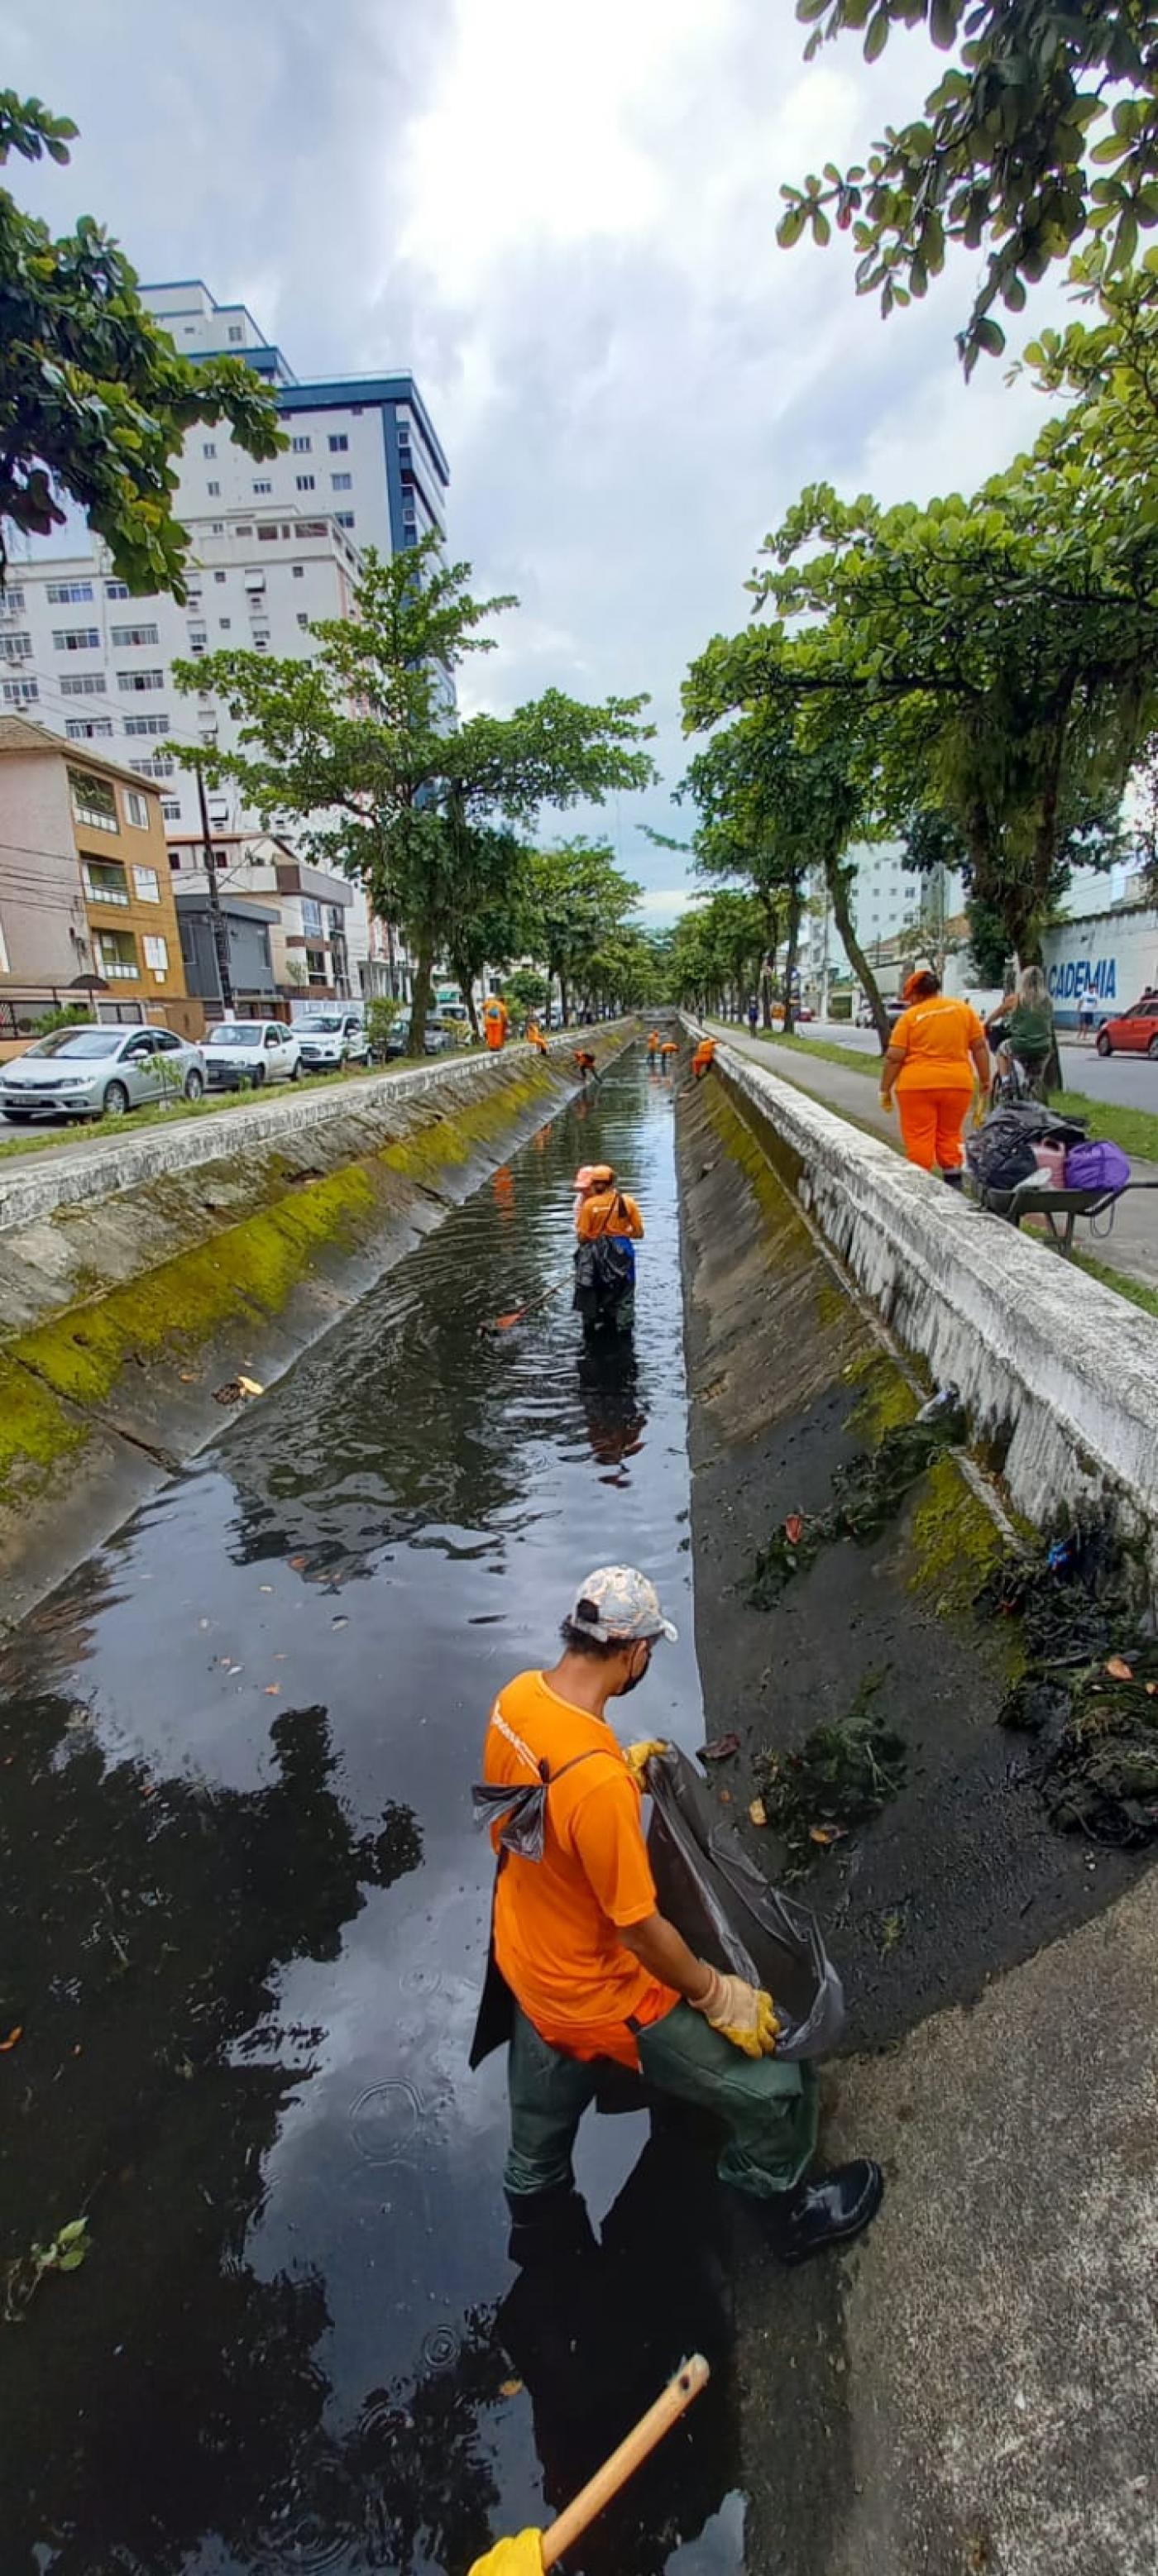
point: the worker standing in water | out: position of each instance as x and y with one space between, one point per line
586 1063
667 1055
609 1225
496 1022
584 1967
653 1046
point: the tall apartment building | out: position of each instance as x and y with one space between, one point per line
274 547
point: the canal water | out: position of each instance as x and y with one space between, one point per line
245 1914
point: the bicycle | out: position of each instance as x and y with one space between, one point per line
1014 1082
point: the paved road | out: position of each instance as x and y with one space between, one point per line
1133 1245
1131 1081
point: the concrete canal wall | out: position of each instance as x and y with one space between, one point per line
1059 1374
139 1273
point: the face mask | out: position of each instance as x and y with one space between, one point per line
635 1679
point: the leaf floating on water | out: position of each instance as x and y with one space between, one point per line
511 2388
794 1528
1119 1670
17 2032
757 1812
721 1750
826 1834
249 1386
273 1690
297 1563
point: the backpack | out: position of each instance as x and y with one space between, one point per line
604 1268
1098 1166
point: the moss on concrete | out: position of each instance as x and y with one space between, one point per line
35 1428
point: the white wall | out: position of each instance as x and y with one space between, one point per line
1104 961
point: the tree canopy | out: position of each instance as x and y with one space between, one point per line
94 399
362 747
582 902
1043 132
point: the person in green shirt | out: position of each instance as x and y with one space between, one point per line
1029 1031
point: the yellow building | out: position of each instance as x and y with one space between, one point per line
66 812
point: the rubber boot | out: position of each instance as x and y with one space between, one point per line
828 2209
548 2226
954 1180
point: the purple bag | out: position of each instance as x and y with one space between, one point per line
1096 1167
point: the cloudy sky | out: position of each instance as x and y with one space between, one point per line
561 215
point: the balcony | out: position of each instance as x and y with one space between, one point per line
105 885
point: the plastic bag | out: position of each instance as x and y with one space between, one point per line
709 1887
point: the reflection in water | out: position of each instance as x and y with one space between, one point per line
247 1919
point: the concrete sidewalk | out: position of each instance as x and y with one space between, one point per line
1132 1244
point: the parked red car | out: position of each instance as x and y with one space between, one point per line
1135 1033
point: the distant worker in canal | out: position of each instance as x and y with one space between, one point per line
584 1967
496 1022
704 1058
609 1224
667 1055
653 1047
586 1063
936 1052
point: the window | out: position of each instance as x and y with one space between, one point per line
219 576
20 693
12 602
217 529
209 447
240 531
157 764
225 623
137 809
344 518
117 956
116 590
309 527
311 917
266 535
338 442
157 953
403 434
214 491
261 641
237 331
140 680
303 620
93 801
262 483
146 724
342 482
299 572
92 685
305 482
146 880
16 648
69 594
121 635
301 446
197 638
104 881
88 728
171 809
75 639
316 966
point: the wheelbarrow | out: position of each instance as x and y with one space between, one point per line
1061 1208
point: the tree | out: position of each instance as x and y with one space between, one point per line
715 951
527 989
1044 131
361 745
581 897
94 399
997 660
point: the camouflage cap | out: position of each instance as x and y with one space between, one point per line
618 1604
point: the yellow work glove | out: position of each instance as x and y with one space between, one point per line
637 1756
886 1099
522 2555
741 2013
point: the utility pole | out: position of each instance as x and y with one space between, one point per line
220 929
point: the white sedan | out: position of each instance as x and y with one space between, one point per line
250 1052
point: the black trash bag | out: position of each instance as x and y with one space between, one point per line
604 1273
711 1889
1000 1153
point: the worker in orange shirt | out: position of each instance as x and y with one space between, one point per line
667 1054
584 1967
586 1063
653 1047
496 1022
535 1035
935 1054
608 1224
704 1058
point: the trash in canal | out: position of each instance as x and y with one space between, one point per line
841 1776
1089 1696
867 1493
236 1389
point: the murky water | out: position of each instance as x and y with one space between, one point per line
246 1915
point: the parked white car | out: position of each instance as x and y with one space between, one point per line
250 1052
99 1071
333 1038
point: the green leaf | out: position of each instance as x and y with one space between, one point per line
989 336
877 36
943 24
72 2261
68 2235
790 227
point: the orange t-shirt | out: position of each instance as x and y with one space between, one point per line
607 1212
934 1038
556 1918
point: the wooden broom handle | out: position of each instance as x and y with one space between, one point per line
561 2534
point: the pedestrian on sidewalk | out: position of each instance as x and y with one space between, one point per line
496 1022
936 1052
590 1970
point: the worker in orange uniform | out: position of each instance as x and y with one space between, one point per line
496 1022
667 1054
935 1054
584 1967
586 1063
704 1058
609 1224
653 1046
535 1036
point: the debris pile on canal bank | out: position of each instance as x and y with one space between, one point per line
843 1774
1089 1693
867 1493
